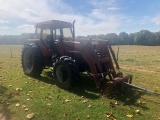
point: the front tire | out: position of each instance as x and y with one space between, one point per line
65 74
32 61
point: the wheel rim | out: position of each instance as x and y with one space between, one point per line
62 74
28 60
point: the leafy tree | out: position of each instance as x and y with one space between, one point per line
80 37
113 38
131 38
157 38
101 36
24 37
144 37
123 38
92 36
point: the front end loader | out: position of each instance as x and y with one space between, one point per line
96 56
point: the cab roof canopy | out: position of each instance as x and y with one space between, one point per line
53 24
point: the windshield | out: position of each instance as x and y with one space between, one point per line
67 32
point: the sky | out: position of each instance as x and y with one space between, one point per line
92 17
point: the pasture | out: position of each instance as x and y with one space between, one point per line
22 96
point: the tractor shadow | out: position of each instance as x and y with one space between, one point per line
86 88
46 77
131 97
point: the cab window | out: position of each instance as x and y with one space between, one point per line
67 32
57 33
46 34
47 38
38 33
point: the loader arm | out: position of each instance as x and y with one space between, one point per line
99 55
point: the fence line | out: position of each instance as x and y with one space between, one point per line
11 51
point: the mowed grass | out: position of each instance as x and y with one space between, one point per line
21 95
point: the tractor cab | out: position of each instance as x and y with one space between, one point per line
50 32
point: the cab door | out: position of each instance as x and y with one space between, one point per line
47 38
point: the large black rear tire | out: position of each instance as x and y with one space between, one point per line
32 61
66 74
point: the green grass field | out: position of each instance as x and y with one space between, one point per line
21 95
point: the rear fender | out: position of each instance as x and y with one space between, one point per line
36 43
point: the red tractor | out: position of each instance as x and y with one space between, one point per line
55 46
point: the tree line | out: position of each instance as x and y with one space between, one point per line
143 37
15 39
